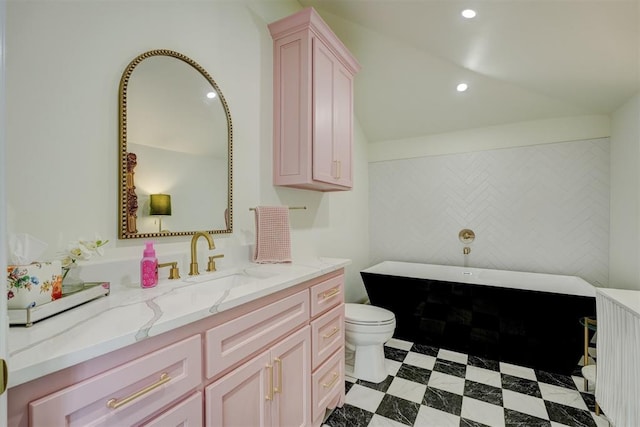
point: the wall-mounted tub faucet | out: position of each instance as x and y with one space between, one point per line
466 250
466 235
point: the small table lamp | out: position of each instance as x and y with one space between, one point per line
160 205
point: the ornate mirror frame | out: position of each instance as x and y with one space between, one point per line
128 199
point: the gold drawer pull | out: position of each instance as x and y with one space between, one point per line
115 403
332 292
332 382
332 333
269 395
278 388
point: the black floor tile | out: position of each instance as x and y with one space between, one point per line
518 419
425 349
414 373
556 379
349 416
451 368
395 354
397 409
480 362
383 386
443 400
483 392
520 385
568 415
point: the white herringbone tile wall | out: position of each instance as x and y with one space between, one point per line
543 208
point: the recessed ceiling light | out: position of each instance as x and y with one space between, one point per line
462 87
211 95
469 13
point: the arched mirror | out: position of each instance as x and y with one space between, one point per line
175 149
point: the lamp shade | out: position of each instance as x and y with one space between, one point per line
160 204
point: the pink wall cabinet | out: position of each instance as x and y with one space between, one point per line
313 105
272 389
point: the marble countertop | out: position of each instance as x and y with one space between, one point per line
131 314
627 298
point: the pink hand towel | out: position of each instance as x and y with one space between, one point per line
273 238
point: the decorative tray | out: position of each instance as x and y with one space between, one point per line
27 316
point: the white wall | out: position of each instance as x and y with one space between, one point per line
625 196
64 63
542 208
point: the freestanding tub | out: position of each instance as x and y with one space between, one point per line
528 319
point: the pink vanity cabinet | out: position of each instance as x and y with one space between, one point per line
313 104
275 361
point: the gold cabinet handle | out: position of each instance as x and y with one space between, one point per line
330 293
278 388
4 375
332 333
269 395
115 403
332 382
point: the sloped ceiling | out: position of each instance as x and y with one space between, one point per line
522 59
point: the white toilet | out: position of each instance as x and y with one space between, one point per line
367 328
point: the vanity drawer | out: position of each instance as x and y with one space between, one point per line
327 383
327 295
186 413
327 335
238 339
126 394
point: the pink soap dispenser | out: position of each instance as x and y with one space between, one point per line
149 267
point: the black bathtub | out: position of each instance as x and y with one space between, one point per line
528 319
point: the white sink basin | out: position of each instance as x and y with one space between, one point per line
229 279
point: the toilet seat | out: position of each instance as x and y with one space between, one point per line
361 314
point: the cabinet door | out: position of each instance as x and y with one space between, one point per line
323 92
342 125
242 397
292 380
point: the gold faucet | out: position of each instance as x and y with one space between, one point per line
193 267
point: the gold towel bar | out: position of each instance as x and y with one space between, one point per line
290 208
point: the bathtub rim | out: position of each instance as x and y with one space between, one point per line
541 282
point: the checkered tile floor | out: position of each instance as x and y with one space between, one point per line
427 386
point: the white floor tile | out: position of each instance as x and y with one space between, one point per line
482 412
601 421
380 421
523 403
364 397
431 417
562 395
420 360
400 344
579 382
392 366
517 371
446 382
484 376
407 390
453 356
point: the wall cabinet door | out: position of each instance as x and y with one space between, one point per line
333 117
272 389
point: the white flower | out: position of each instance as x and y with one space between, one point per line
82 249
